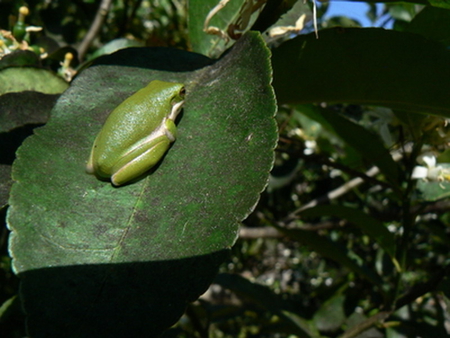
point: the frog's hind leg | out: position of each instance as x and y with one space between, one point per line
125 172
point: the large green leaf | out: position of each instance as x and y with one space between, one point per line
366 66
99 261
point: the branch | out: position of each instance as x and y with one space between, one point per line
419 290
259 232
102 11
366 324
416 291
342 190
269 232
321 159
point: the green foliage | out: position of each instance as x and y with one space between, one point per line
350 239
143 216
15 79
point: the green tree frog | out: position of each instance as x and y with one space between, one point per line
137 133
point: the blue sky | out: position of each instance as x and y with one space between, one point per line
354 10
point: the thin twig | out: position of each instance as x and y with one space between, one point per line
328 162
342 190
366 324
269 232
314 10
416 291
196 322
259 232
421 289
102 12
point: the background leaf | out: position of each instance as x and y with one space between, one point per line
207 44
434 190
19 109
161 238
18 79
359 138
331 314
440 3
269 301
432 23
20 58
280 13
114 46
331 250
372 227
336 68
